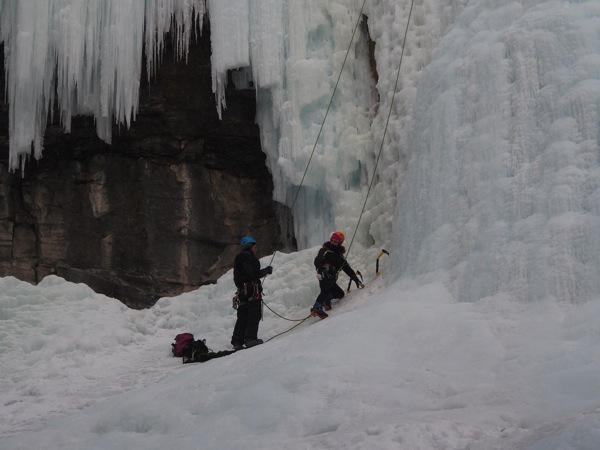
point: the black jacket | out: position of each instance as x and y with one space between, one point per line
246 268
331 259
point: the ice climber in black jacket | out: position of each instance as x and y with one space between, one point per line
329 261
246 276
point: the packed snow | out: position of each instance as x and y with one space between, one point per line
398 365
482 330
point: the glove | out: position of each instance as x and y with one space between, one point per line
268 270
359 285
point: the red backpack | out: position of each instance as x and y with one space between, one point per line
184 345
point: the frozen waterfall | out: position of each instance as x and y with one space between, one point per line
489 167
502 191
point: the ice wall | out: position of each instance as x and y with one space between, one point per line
502 189
406 35
296 51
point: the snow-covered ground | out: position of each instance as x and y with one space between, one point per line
403 366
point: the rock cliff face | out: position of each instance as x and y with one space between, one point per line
157 213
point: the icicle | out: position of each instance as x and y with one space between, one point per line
87 52
230 33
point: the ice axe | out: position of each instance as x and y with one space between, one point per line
357 285
383 252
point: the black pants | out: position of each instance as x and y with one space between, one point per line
249 314
329 291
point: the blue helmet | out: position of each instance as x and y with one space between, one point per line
247 240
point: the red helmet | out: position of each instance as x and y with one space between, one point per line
337 238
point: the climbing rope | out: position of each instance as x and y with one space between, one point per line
329 105
385 128
279 315
378 153
317 141
289 329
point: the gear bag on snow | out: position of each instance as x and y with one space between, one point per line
187 348
192 351
183 344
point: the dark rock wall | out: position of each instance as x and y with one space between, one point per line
157 213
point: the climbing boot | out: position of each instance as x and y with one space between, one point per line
252 342
318 312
